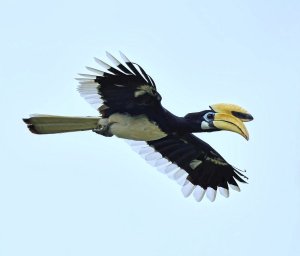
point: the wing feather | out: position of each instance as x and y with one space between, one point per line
194 164
120 89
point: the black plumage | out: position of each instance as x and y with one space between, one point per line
213 172
130 107
119 92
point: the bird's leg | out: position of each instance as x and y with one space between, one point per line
103 128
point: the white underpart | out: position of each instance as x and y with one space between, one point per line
211 194
134 127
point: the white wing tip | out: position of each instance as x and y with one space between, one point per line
179 174
187 189
94 70
124 57
211 194
102 63
175 172
112 58
236 188
224 192
199 193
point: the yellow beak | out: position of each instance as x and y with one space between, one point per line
230 123
231 117
234 110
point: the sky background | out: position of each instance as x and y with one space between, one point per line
83 194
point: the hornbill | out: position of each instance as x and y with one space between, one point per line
130 108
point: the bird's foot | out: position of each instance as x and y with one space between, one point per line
103 128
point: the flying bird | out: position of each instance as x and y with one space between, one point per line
130 108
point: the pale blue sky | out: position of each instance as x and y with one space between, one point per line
83 194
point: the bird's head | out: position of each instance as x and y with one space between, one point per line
220 117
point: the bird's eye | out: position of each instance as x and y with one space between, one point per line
209 116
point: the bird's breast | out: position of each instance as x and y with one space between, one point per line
134 127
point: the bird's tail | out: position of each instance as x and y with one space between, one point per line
47 124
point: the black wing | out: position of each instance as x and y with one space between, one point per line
125 89
193 163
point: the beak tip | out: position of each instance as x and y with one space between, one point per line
246 136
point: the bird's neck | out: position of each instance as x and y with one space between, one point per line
176 124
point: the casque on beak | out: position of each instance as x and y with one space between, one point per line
233 110
231 117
